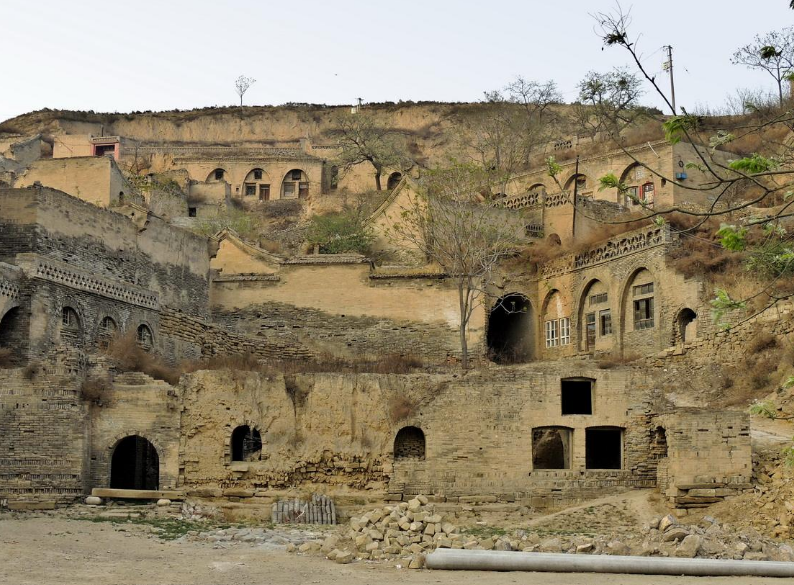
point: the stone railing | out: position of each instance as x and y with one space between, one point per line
61 273
531 199
619 246
556 199
9 290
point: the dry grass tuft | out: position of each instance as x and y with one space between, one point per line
127 355
95 389
401 407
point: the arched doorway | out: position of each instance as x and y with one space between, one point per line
686 325
135 465
409 443
394 180
510 330
9 327
246 444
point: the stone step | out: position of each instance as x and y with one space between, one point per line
138 494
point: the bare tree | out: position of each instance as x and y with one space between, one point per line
502 133
362 140
241 86
608 102
773 53
449 223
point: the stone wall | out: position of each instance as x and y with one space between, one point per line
708 456
339 430
43 434
172 263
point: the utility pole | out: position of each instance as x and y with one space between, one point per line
668 66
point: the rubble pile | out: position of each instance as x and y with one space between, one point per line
408 529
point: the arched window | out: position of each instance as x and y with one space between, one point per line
595 315
510 333
394 180
295 185
640 301
257 184
107 330
581 184
246 444
556 321
69 319
145 337
135 465
659 443
409 443
216 176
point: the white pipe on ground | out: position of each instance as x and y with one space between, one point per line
490 560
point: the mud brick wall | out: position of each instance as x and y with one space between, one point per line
345 335
43 450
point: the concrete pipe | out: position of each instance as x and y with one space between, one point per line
487 560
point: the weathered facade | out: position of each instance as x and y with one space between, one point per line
544 424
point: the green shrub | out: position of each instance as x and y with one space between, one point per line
337 233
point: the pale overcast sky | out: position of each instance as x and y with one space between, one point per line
144 55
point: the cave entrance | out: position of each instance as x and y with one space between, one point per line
135 465
510 330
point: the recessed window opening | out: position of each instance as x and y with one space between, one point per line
296 175
191 211
551 448
643 314
246 444
576 396
145 337
219 174
257 175
250 189
69 318
605 319
643 289
409 443
604 448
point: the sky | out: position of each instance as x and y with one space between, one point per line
173 54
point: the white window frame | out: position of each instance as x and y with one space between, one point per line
552 340
564 327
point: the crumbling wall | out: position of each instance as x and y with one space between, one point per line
339 430
708 455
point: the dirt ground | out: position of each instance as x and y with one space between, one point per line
53 550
